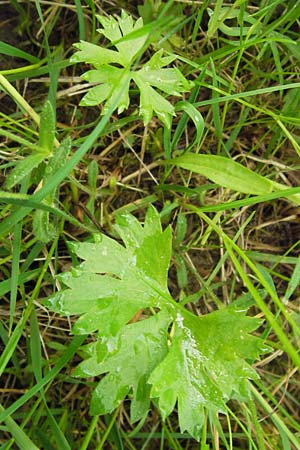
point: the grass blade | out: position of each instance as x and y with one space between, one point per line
22 440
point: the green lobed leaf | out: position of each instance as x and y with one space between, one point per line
157 61
152 102
120 280
114 88
114 30
182 378
206 365
142 345
164 352
114 82
93 54
168 80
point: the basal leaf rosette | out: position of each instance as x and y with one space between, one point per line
146 345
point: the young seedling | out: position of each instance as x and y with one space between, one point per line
116 69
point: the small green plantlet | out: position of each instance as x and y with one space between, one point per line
148 346
39 153
46 159
114 71
43 228
220 15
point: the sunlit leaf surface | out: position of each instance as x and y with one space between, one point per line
113 81
146 345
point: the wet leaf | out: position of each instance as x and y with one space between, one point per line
120 280
206 366
127 364
147 345
47 129
23 168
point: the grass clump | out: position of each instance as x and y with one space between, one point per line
182 140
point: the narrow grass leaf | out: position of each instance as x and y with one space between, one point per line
35 346
15 138
276 419
53 71
292 194
47 129
240 96
195 116
10 50
231 248
19 328
181 125
215 106
114 438
58 435
225 172
88 435
59 176
294 282
5 338
5 286
17 97
17 236
37 363
80 18
26 202
21 439
65 358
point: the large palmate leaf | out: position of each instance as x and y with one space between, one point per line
146 345
114 71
